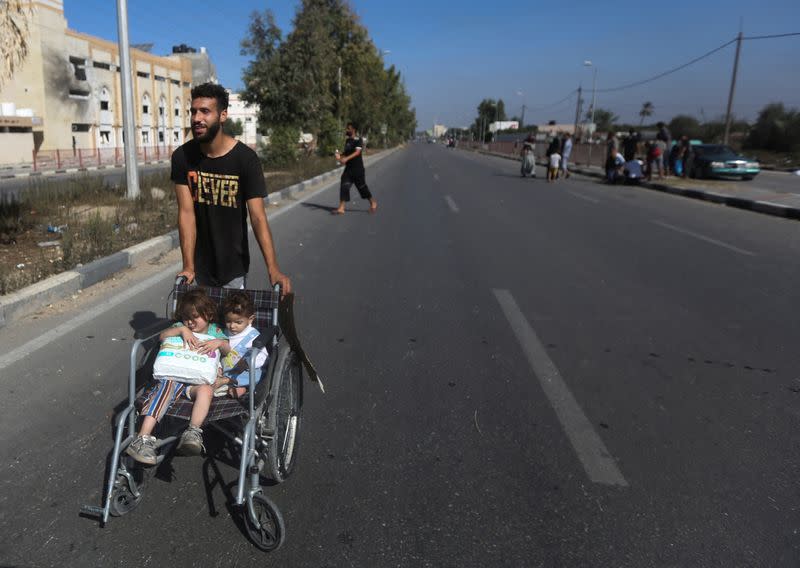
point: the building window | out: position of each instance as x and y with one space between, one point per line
248 119
177 112
159 78
99 65
78 67
145 109
186 84
160 111
103 105
80 127
105 137
79 93
175 82
145 137
161 136
143 75
176 137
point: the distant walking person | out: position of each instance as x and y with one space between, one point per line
552 171
353 170
528 154
566 151
664 142
629 145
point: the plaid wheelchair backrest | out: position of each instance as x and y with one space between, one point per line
265 301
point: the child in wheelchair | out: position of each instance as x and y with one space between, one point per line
197 312
239 313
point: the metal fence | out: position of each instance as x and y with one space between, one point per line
86 157
45 160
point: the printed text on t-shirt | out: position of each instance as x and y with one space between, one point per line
214 189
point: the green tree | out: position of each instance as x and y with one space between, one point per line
489 111
685 125
647 110
281 151
233 127
604 119
776 129
326 70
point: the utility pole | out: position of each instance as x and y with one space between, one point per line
522 120
578 107
591 132
128 118
728 116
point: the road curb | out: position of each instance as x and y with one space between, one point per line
764 207
33 298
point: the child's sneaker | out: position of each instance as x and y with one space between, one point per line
191 443
143 450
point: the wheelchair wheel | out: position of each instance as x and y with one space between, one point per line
123 501
284 417
264 523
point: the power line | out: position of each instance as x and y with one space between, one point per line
665 73
551 105
772 36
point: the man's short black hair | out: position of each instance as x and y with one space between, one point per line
212 91
353 124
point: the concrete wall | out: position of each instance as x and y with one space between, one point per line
17 147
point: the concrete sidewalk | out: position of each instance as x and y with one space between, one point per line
739 194
34 297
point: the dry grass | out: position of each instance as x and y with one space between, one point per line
92 219
97 221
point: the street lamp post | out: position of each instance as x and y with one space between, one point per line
588 63
128 120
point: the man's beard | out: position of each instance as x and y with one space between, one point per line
211 133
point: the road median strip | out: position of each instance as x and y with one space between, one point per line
33 298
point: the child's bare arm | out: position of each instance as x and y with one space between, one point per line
213 344
182 331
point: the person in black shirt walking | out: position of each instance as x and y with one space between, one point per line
353 171
218 182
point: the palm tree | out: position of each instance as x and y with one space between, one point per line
14 33
647 110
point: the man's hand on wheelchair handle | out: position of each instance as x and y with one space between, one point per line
188 274
278 277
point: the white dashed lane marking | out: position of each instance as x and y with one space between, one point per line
600 466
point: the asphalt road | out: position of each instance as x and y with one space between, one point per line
517 373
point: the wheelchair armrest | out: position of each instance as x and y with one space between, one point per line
264 340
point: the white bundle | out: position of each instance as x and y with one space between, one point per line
176 361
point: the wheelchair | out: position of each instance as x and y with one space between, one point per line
264 424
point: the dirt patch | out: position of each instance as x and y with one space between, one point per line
53 229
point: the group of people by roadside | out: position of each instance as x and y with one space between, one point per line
631 160
557 156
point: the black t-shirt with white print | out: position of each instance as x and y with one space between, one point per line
220 188
350 146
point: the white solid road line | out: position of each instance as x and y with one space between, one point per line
451 204
69 326
704 238
579 196
600 466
